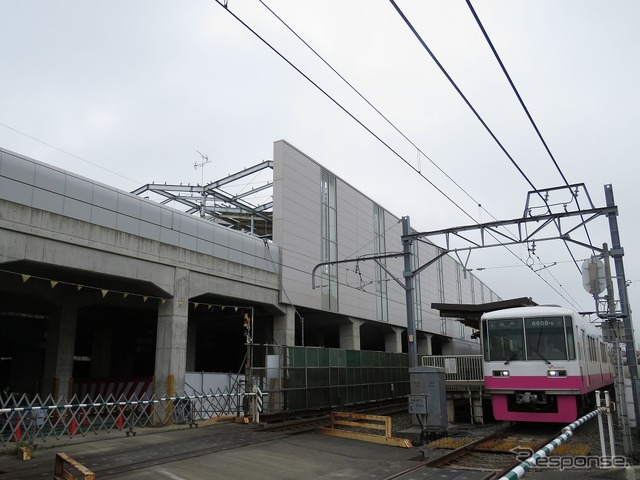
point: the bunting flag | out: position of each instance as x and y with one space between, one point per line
215 306
104 291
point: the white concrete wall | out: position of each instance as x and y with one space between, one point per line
297 209
296 222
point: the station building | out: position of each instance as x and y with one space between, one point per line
97 283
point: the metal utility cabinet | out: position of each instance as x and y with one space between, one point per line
428 392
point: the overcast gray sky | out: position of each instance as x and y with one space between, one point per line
126 92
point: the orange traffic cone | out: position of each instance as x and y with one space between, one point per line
120 421
73 426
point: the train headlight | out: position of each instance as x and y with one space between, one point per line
501 373
556 373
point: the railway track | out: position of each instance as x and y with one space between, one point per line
310 420
493 454
145 452
292 427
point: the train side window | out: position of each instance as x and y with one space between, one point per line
571 344
505 340
603 353
592 348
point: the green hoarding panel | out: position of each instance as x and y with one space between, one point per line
312 357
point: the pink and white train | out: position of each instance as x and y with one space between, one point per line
543 363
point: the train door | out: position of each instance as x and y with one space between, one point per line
579 353
601 360
586 376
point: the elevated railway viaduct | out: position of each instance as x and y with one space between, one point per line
98 282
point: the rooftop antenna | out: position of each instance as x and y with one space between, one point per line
203 201
204 161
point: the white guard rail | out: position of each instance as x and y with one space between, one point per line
567 433
462 368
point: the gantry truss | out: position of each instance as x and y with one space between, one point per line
532 227
226 201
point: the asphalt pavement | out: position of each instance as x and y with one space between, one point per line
222 450
229 450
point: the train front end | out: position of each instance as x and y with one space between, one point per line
530 367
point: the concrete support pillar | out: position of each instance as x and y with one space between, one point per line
393 341
171 341
350 335
284 327
424 344
101 350
61 342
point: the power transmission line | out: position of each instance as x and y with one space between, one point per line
526 110
377 137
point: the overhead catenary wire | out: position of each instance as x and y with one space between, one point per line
466 100
382 115
377 137
477 115
393 287
526 110
385 118
376 110
344 109
420 152
69 153
461 94
295 310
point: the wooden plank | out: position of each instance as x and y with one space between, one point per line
361 416
223 418
372 426
367 437
61 474
364 421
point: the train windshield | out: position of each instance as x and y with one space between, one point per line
531 338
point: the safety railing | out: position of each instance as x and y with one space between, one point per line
603 461
467 368
32 420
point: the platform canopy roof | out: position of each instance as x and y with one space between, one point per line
469 314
